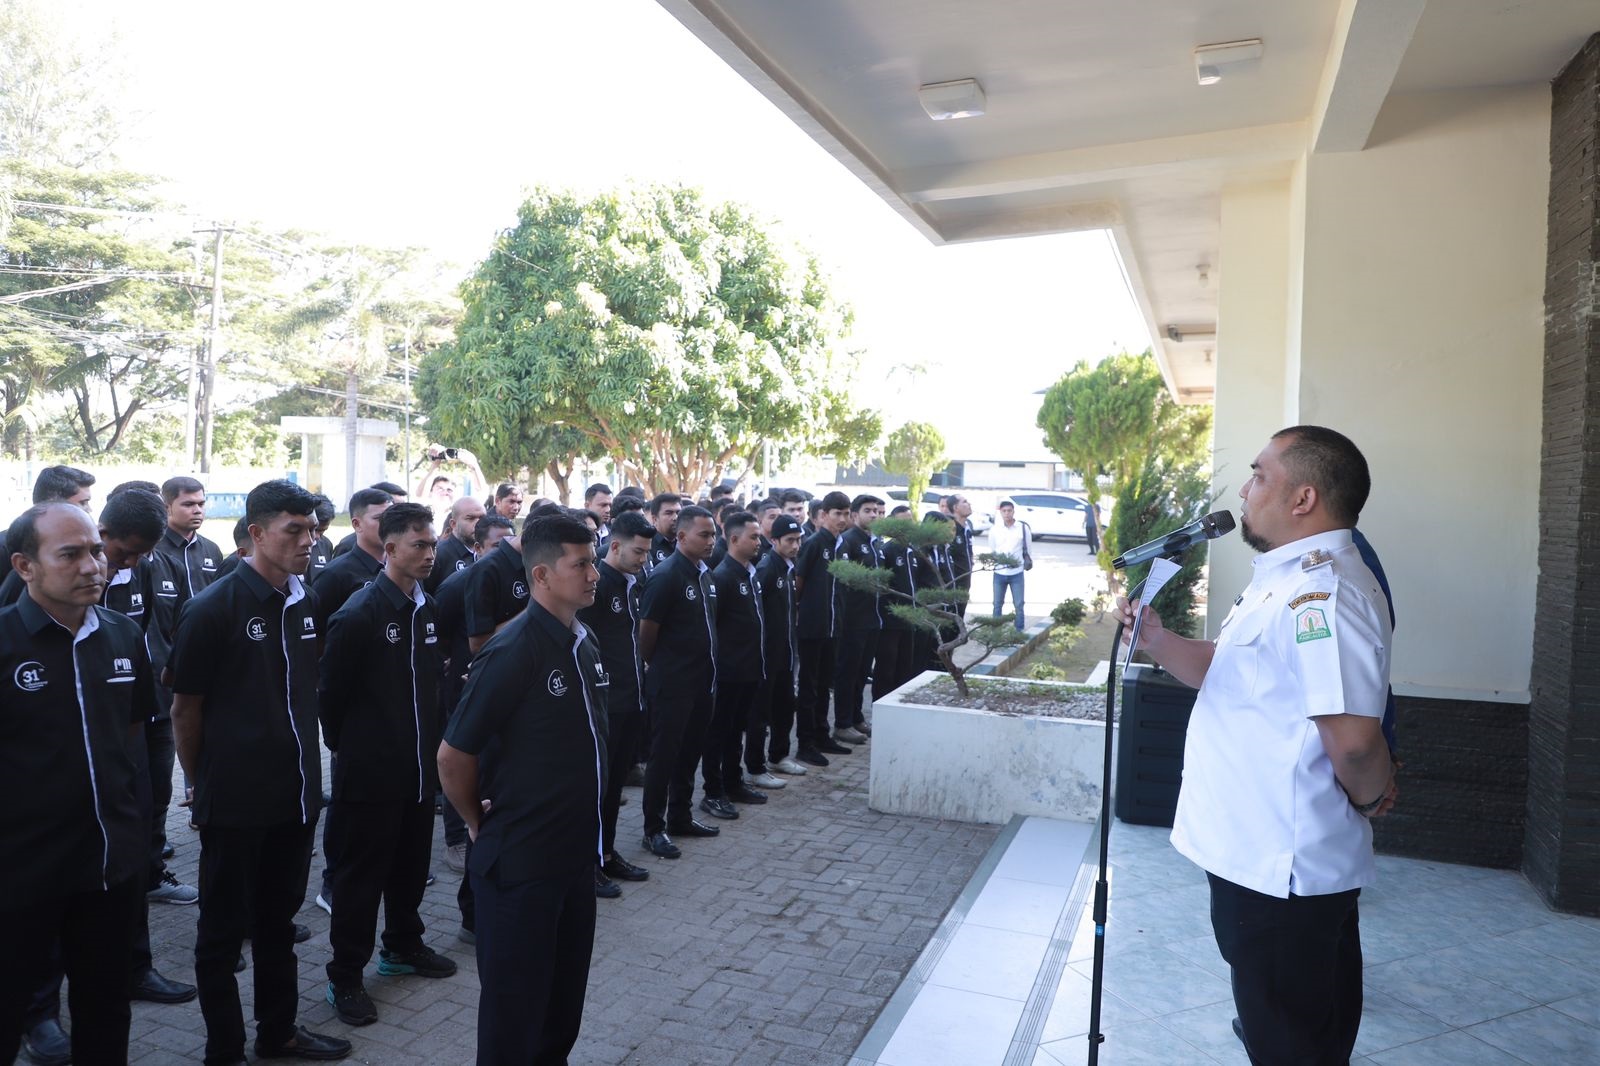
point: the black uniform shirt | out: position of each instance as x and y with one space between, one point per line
11 589
250 652
345 546
912 571
719 552
148 596
613 618
321 556
681 598
228 564
818 600
660 548
344 577
534 712
77 819
450 612
961 550
859 610
195 563
451 556
497 589
379 696
778 605
741 623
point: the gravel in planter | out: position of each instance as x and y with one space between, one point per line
1017 697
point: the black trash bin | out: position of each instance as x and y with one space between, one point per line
1154 721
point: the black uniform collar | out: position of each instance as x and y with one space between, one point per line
392 592
171 537
505 542
261 589
552 626
375 565
37 621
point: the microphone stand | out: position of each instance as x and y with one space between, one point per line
1101 887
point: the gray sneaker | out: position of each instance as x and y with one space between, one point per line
788 765
849 736
171 890
455 857
767 780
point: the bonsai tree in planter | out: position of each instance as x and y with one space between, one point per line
938 607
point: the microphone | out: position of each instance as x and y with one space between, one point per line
1212 526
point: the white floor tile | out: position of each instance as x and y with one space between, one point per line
1020 906
946 1025
996 962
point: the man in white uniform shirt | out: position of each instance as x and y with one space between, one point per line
1285 760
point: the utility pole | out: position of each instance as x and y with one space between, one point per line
405 458
212 335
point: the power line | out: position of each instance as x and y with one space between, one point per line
112 212
81 272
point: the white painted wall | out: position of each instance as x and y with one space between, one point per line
1252 321
1421 335
977 474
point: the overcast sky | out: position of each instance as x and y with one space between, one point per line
420 124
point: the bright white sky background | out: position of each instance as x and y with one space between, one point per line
420 124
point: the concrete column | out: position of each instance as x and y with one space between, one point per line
1561 849
1252 309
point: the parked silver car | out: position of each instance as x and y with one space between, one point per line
1052 514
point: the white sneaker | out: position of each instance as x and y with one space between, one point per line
455 857
787 765
325 903
767 780
849 736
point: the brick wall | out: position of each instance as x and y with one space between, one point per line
1561 848
1465 784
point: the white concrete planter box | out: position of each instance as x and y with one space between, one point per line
981 766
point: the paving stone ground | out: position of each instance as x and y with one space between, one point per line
777 942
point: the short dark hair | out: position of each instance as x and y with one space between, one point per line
272 498
621 505
390 487
900 510
1330 462
631 524
404 517
544 510
134 513
582 515
862 500
633 491
504 489
814 507
480 532
241 532
148 486
59 483
441 477
792 496
734 521
723 505
174 487
325 510
688 515
720 490
362 500
661 499
763 506
596 489
836 501
23 536
545 539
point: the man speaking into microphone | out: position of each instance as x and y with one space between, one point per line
1285 760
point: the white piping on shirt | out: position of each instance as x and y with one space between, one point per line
91 622
588 708
418 600
297 592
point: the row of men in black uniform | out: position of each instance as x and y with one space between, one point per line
675 629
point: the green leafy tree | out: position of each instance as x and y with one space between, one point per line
915 452
938 609
677 336
59 87
1164 495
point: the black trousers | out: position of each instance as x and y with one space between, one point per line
721 763
677 739
623 731
1296 968
857 647
159 754
252 880
893 666
816 680
757 721
94 933
779 693
455 830
376 851
534 943
464 901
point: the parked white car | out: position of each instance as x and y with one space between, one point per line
1052 514
930 502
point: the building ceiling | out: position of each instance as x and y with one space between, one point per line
1094 115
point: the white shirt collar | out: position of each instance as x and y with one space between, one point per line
1331 540
121 577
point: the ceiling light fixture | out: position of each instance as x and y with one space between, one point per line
1212 61
1190 334
952 99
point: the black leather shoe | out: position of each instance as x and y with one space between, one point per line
622 870
811 757
693 828
302 933
746 794
718 807
305 1044
153 988
661 846
863 728
833 747
605 888
168 852
48 1044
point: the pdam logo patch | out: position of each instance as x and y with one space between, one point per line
690 593
519 589
29 676
461 564
616 605
256 629
744 588
557 683
392 632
